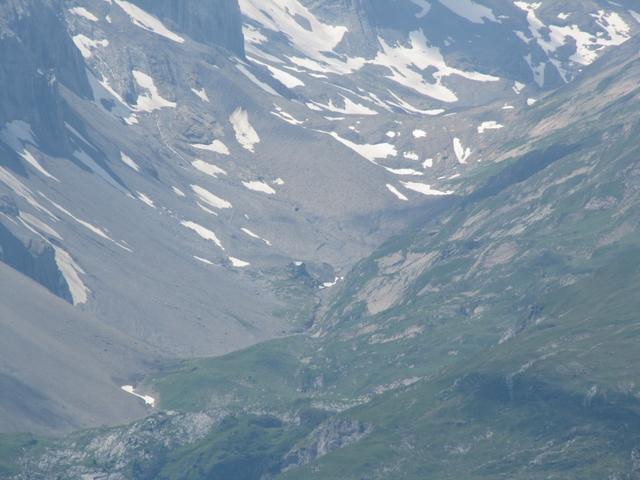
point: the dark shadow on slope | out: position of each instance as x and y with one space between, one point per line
36 261
25 402
522 169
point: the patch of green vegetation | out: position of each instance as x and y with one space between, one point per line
14 446
260 375
247 448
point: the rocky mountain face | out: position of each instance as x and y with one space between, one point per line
212 23
193 178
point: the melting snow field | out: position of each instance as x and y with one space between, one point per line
151 100
39 225
425 189
252 78
283 77
22 191
147 22
84 13
470 10
71 272
202 94
17 134
306 33
282 115
417 133
255 235
613 31
257 186
128 161
245 134
462 153
147 399
370 152
216 147
237 263
145 199
490 125
350 107
209 198
406 62
203 260
208 168
86 45
396 192
202 232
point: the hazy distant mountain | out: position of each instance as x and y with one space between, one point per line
424 208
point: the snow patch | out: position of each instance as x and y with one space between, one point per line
208 168
254 235
283 77
84 13
350 107
417 133
470 10
151 100
612 31
209 198
253 79
22 191
371 152
489 125
407 107
71 272
216 147
128 161
425 189
316 41
257 186
237 263
406 64
245 134
203 260
145 199
129 389
201 93
17 134
396 192
39 225
202 232
86 45
147 21
462 153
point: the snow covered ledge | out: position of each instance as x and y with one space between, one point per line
147 399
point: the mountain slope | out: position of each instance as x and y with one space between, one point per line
60 368
498 338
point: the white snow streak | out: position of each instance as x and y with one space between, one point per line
147 21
